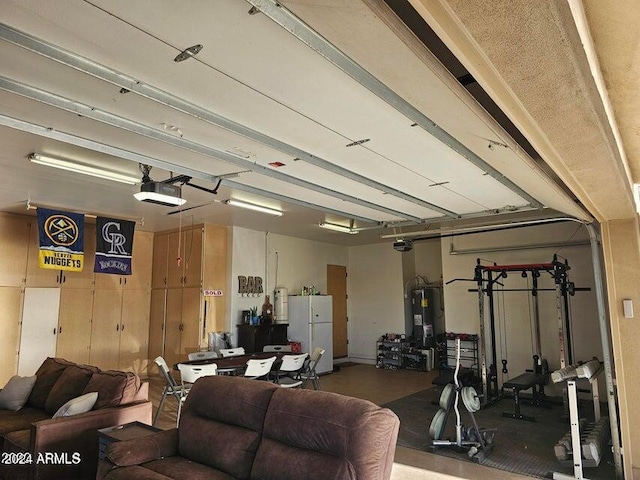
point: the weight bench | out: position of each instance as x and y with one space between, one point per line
524 382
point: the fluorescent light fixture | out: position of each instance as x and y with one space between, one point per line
338 228
78 167
161 194
253 206
636 195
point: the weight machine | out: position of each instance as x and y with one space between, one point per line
486 277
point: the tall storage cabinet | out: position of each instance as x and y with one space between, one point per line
120 325
14 235
184 264
84 321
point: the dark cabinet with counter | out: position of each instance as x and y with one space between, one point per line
254 337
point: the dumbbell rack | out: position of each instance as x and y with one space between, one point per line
584 444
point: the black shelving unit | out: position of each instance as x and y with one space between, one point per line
395 352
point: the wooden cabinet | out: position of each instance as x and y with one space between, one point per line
74 324
119 330
182 323
184 264
10 315
254 337
14 234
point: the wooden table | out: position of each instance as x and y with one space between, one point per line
238 362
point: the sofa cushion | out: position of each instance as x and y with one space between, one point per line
229 413
16 392
70 385
134 473
48 374
179 467
78 405
21 439
114 388
311 434
10 421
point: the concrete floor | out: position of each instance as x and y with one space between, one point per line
380 387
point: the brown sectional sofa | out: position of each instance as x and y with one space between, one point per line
67 447
235 428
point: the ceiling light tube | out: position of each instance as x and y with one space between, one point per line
252 206
337 228
77 167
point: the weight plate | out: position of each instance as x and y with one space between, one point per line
447 396
470 399
436 428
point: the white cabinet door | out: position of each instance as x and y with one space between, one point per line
39 328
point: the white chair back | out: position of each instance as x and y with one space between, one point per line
316 355
292 363
231 352
277 348
191 373
259 367
202 355
164 369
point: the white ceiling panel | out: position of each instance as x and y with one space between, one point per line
254 75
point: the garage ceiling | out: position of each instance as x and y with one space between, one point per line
375 133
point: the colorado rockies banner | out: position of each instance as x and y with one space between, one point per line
61 240
114 246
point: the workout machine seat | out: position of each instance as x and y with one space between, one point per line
524 382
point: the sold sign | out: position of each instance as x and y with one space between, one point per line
213 293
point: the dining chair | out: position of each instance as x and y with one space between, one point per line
232 352
309 373
259 369
171 388
202 355
276 348
288 375
189 374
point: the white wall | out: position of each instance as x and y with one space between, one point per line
513 317
301 262
247 259
376 297
298 262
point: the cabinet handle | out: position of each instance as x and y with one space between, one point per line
58 278
117 327
125 280
59 329
120 281
54 331
122 328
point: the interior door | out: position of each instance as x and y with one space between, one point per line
39 328
337 288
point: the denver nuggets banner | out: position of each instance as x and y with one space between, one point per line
61 240
114 246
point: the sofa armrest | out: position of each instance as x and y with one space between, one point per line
77 438
136 451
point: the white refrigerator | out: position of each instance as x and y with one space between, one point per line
311 322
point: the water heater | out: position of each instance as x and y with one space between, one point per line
281 305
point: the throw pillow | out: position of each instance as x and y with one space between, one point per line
16 392
77 405
70 385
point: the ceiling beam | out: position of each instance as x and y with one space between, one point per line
109 75
77 141
101 116
294 25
